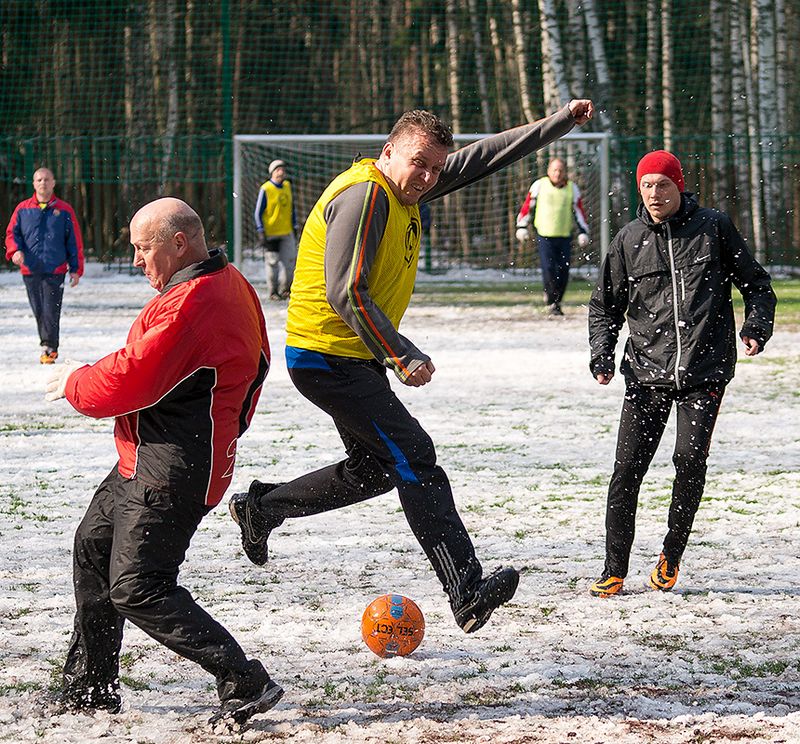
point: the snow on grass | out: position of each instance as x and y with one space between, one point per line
527 438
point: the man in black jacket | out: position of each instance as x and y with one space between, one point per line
669 272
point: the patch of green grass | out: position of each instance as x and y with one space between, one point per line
31 425
735 667
583 683
526 292
134 684
12 688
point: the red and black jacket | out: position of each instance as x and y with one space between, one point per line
185 386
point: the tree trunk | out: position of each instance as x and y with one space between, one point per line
480 71
720 98
521 59
501 79
165 50
603 98
452 65
739 107
667 66
750 55
577 59
552 58
768 117
456 199
651 122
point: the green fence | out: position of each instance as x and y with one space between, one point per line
127 100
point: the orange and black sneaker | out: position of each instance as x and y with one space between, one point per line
607 586
48 356
664 575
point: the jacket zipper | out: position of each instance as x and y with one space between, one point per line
673 278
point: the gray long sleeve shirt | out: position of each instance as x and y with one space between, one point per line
462 168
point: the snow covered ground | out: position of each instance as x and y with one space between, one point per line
527 438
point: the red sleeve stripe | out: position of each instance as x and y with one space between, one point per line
358 265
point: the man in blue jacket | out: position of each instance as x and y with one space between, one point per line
43 239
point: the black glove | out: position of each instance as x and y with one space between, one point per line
262 240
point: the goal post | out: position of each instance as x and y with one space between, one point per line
472 228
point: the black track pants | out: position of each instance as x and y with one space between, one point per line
386 448
645 411
127 553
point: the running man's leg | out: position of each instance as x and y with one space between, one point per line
152 531
562 248
272 268
697 412
288 257
386 447
645 411
91 671
52 298
547 259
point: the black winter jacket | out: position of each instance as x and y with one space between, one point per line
673 282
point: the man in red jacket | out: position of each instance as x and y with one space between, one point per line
44 240
183 389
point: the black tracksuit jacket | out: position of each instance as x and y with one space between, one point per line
672 280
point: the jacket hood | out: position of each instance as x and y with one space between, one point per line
688 207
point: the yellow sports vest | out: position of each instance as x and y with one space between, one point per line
277 217
311 322
553 218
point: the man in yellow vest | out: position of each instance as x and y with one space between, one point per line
355 274
553 200
276 225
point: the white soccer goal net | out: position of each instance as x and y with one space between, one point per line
473 228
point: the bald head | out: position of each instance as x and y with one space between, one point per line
557 172
168 216
167 235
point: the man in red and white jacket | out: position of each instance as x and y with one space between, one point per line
183 389
44 240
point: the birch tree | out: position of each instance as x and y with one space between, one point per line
667 65
768 113
480 72
749 60
577 59
652 64
603 97
552 57
521 57
455 200
162 21
720 96
739 106
500 76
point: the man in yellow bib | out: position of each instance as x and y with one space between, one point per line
553 201
355 274
276 225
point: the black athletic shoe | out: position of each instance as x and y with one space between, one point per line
255 527
87 701
239 710
488 594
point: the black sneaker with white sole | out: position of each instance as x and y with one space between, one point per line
486 596
255 527
238 710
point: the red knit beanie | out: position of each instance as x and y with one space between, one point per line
662 162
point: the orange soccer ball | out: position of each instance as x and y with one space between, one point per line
392 625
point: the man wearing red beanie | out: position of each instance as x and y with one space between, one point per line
669 274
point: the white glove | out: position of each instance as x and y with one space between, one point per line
57 381
583 240
522 234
